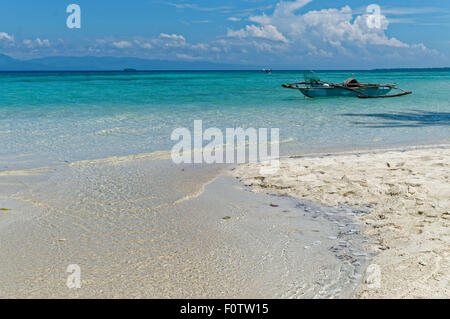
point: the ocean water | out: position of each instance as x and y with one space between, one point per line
57 117
146 228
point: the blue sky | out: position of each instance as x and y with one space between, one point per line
284 34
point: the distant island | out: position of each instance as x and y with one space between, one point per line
92 63
130 64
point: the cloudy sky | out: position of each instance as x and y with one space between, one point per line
296 34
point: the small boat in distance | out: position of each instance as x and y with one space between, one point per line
268 71
129 70
314 87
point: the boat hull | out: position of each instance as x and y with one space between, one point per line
333 91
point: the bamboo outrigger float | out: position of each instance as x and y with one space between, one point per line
314 87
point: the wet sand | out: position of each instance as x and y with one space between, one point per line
145 228
408 194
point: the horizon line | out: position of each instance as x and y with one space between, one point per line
236 70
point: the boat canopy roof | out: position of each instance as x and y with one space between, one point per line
351 82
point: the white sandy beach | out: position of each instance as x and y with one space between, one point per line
140 227
145 228
408 192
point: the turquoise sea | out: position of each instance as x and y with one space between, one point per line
55 117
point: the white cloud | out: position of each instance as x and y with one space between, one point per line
268 32
199 46
122 44
326 29
36 43
42 43
402 21
6 36
164 46
330 26
143 44
174 36
183 56
234 19
411 11
284 10
339 33
196 7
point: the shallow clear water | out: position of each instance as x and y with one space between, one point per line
54 117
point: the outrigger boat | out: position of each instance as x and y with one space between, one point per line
314 87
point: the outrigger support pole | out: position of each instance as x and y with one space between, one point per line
385 96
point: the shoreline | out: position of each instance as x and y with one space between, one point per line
189 210
165 154
407 190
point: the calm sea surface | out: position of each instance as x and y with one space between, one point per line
54 117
